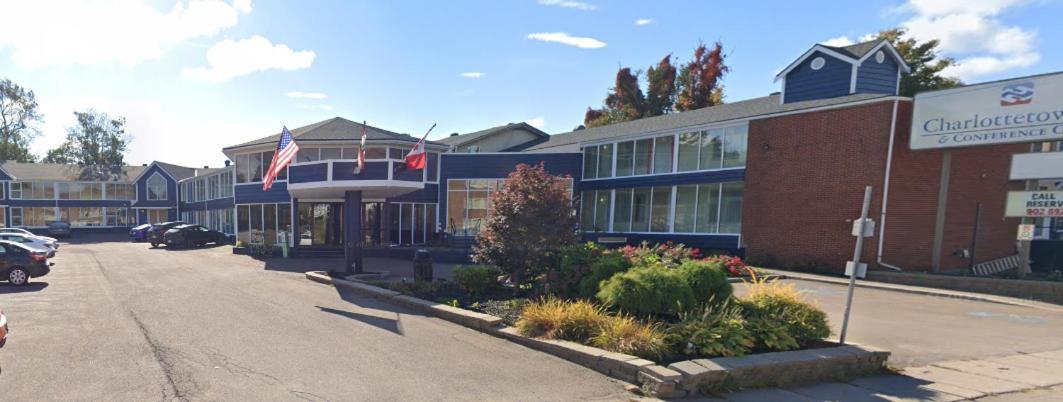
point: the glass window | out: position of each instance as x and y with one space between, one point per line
243 213
92 191
708 208
689 144
456 201
157 188
601 210
241 168
625 158
587 211
16 217
734 147
662 154
643 155
256 167
622 210
120 191
284 218
331 153
711 149
16 191
731 207
307 155
397 153
661 209
376 153
349 153
640 210
269 233
605 160
686 198
590 162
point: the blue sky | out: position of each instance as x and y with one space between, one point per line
192 77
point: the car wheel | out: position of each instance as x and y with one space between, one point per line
18 276
154 245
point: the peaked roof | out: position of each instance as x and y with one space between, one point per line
853 54
856 50
475 135
178 172
750 108
334 129
59 172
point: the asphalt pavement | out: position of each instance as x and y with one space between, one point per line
118 321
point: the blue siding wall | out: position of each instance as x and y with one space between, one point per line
873 77
253 194
429 194
500 165
308 173
804 83
142 189
4 175
372 171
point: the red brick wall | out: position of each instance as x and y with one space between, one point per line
805 178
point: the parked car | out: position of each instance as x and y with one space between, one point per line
59 229
139 233
51 240
158 230
3 329
33 242
19 263
193 236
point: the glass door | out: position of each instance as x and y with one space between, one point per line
371 224
321 224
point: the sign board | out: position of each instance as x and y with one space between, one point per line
859 268
1025 232
1026 109
1034 204
869 228
1040 165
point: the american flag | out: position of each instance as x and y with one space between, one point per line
285 154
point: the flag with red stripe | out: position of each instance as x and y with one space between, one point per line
285 154
417 159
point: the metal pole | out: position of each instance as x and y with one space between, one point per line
856 262
974 236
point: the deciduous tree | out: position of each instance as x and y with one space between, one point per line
927 66
699 80
660 91
18 119
96 140
532 217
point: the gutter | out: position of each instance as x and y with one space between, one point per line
886 193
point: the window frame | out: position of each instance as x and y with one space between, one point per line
165 195
674 152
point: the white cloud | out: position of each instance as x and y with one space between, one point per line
306 95
577 5
42 33
972 32
229 59
472 74
566 39
537 122
839 41
643 21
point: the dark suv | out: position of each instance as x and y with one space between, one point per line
19 263
159 229
188 236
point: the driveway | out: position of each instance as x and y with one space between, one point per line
120 321
922 329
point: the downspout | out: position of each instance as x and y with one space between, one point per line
886 192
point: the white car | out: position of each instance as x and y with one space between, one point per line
32 242
50 240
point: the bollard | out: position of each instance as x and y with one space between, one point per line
422 265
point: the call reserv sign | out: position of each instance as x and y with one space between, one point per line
1026 109
1034 204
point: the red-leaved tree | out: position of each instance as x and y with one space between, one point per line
699 79
531 218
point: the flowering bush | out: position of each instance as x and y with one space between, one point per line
735 266
667 253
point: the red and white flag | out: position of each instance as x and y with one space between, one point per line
361 153
284 155
417 159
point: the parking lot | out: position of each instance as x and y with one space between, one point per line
120 321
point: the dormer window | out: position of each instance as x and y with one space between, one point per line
880 57
818 63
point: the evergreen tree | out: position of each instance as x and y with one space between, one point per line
924 61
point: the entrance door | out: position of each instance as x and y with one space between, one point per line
321 224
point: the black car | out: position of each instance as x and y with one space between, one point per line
19 263
155 234
193 236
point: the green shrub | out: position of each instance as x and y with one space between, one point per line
553 318
625 334
780 317
707 279
604 268
652 289
476 279
574 265
717 330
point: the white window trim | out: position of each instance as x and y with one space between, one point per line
675 152
671 211
147 188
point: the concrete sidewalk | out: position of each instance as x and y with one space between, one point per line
945 381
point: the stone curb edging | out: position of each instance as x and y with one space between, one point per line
679 379
918 290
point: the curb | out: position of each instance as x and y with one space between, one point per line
918 290
680 379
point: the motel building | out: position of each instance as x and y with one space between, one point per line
778 179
